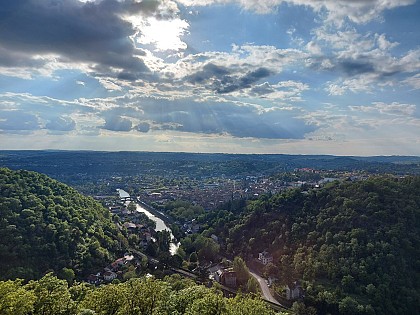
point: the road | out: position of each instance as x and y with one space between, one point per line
265 289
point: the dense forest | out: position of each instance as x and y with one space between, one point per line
355 246
140 296
46 225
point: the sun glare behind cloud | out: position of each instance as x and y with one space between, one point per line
163 34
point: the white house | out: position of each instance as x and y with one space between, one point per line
265 257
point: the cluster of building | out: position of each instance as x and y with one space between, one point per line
132 221
112 271
224 275
212 193
191 227
227 276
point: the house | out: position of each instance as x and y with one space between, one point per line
265 257
128 258
226 277
94 279
109 276
191 227
117 264
294 291
229 278
218 275
130 225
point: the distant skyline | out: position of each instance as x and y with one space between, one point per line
338 77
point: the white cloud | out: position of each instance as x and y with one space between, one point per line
361 84
390 128
356 11
413 81
61 123
393 109
313 48
364 62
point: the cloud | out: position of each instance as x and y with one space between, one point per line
96 33
224 118
362 61
61 123
413 81
210 117
285 91
10 58
143 127
361 84
229 84
357 11
355 67
225 73
208 72
17 120
163 34
393 109
354 10
116 123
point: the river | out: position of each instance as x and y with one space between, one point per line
160 224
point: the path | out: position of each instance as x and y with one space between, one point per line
265 289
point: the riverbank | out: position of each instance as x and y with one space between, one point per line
161 225
155 212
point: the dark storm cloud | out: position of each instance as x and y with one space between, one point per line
116 123
16 59
61 124
223 80
18 120
224 118
88 32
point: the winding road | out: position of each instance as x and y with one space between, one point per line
265 289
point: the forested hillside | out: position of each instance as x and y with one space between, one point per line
46 225
355 246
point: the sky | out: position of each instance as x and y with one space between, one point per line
337 77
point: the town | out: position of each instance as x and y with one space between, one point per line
137 223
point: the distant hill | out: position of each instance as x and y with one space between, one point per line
76 166
355 245
46 225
